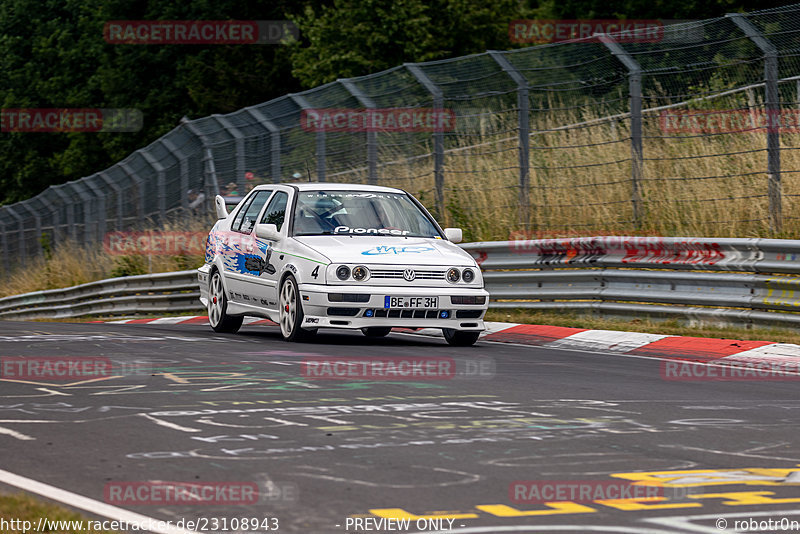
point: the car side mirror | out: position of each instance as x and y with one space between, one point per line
454 234
268 231
220 207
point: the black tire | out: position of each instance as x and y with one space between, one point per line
377 331
290 312
221 322
460 338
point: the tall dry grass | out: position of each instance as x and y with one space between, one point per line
581 183
69 263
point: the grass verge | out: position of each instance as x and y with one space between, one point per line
20 507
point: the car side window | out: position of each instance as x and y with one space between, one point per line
276 211
246 219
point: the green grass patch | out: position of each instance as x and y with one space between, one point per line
18 508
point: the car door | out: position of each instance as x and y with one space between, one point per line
273 263
242 266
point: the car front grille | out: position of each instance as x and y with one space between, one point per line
398 274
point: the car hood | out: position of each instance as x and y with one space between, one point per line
391 250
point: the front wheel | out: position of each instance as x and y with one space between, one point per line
291 312
218 306
376 331
460 338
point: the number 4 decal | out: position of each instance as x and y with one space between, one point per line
315 272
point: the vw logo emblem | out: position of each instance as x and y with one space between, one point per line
409 275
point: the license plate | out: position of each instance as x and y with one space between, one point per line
410 302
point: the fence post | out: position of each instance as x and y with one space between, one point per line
68 207
20 234
635 92
772 103
160 182
118 192
438 134
523 112
275 143
238 137
139 189
101 207
37 221
5 246
209 169
77 186
372 135
183 163
301 101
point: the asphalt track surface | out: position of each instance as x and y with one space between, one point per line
194 406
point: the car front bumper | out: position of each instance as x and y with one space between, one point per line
353 311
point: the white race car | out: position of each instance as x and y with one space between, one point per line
321 255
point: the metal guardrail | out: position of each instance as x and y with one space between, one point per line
151 293
739 281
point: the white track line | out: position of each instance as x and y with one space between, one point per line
15 434
89 505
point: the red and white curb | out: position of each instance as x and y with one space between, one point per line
695 349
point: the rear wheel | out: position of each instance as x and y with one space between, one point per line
460 338
218 306
377 331
291 312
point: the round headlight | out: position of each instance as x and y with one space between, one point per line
343 272
468 275
453 275
360 273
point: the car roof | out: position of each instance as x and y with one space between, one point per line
316 186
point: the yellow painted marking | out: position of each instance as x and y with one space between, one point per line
399 513
553 508
645 503
743 498
710 477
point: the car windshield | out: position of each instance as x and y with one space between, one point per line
367 213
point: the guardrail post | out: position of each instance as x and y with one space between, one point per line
301 101
275 143
523 112
372 135
772 103
438 134
160 182
241 184
20 234
635 94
